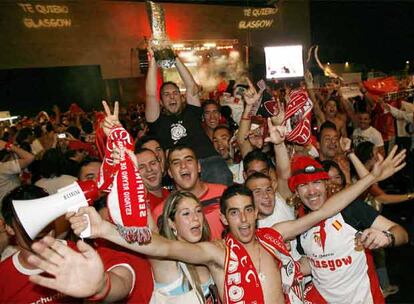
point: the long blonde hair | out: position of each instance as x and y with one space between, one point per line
168 213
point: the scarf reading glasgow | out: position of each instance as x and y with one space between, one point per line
126 200
241 282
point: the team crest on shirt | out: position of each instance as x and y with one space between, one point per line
178 131
317 238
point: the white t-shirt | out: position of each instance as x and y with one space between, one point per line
371 134
281 213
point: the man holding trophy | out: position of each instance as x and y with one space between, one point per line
176 120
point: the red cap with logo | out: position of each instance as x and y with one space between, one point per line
304 170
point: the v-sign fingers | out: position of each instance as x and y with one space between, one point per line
116 109
106 108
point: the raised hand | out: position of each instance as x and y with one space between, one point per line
345 144
111 119
79 222
76 274
251 96
278 114
384 168
277 134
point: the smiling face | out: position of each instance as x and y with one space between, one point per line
150 169
184 168
329 143
188 220
171 99
155 147
312 194
240 216
364 120
221 142
334 177
212 115
263 195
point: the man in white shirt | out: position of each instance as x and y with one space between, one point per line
365 132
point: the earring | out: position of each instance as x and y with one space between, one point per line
174 231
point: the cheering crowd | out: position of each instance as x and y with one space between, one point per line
267 193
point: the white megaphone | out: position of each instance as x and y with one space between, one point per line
34 215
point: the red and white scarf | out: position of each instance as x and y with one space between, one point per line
241 282
127 197
298 115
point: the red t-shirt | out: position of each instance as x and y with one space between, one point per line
15 286
154 201
144 282
211 207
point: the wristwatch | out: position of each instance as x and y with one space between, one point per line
390 236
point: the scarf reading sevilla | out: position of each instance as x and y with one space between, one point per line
298 117
241 282
126 200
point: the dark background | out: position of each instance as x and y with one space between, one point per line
95 58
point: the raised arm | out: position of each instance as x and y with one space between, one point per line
251 96
152 106
383 169
319 114
398 114
25 158
347 106
277 136
191 87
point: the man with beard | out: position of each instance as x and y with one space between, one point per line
176 120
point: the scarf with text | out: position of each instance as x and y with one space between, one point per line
127 197
241 282
298 115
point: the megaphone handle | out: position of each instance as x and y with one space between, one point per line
87 232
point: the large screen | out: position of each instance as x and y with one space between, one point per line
284 61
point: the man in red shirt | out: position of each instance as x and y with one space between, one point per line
111 271
151 172
184 169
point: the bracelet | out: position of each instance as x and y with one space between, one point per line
245 118
390 236
96 298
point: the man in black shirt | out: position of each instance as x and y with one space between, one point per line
176 120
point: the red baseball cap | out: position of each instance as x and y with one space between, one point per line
304 170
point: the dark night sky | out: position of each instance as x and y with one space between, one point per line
377 33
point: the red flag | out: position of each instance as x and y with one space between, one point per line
381 86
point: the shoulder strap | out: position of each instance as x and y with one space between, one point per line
184 269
